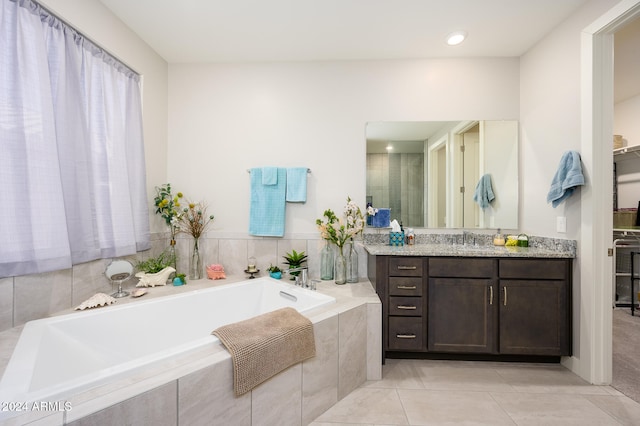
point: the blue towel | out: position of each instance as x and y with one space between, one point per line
567 178
269 175
297 184
484 192
266 213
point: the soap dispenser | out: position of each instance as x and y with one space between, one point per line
498 239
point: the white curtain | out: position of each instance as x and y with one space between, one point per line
72 179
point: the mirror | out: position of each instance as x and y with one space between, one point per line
427 172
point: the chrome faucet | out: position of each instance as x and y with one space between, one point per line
468 238
301 279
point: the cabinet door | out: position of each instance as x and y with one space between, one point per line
462 315
534 317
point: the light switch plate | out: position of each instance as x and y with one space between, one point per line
561 224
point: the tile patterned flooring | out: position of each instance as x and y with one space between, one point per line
432 392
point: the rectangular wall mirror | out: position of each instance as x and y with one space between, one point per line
427 172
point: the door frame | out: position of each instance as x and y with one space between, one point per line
596 233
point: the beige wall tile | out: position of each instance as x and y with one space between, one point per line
320 373
278 400
6 303
39 295
352 349
206 398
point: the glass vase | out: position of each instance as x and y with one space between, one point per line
195 261
326 262
340 268
352 263
173 256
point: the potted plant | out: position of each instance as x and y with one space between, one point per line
275 272
155 270
294 260
180 279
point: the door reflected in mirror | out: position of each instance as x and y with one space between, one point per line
427 172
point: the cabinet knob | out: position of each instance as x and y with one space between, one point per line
406 336
408 308
406 287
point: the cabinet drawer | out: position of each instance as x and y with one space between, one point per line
540 269
406 306
405 333
405 266
461 267
405 286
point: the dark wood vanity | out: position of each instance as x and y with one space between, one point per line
484 307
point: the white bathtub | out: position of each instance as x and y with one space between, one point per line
60 356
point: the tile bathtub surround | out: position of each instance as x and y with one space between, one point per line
36 296
297 396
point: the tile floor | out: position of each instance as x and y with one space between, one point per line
428 392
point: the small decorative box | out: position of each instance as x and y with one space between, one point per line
396 238
381 219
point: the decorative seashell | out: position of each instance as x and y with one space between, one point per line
138 292
152 280
98 299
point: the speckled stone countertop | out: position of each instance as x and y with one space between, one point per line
464 251
470 245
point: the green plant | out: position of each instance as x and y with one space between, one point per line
156 264
273 268
183 277
294 260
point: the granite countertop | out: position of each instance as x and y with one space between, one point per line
461 250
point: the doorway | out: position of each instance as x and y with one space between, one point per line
597 220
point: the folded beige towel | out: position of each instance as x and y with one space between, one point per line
265 345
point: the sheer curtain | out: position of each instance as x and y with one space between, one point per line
73 176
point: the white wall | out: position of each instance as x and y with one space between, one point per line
226 118
626 122
95 21
551 124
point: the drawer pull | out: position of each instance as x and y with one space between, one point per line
407 268
407 308
406 287
406 336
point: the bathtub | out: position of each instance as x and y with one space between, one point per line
61 356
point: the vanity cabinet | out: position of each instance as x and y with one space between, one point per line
406 304
462 305
535 314
474 305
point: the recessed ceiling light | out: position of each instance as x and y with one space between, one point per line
456 37
389 147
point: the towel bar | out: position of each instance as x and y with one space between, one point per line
249 170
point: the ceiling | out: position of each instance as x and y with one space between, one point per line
191 31
206 31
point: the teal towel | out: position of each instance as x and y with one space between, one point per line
269 175
484 192
567 178
266 212
297 184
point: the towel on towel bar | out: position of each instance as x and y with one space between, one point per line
265 345
267 208
567 178
297 184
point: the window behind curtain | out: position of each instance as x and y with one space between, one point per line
72 173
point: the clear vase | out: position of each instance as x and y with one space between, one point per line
326 262
195 261
340 268
352 263
173 256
